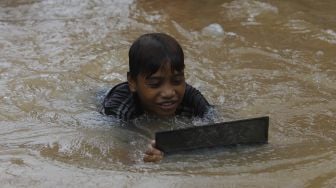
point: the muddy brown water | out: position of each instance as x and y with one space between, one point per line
248 57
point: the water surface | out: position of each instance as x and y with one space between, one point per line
248 57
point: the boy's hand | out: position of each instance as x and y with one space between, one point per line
153 154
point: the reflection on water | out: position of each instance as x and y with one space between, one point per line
249 58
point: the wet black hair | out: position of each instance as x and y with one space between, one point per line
150 51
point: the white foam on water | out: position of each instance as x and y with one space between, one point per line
213 29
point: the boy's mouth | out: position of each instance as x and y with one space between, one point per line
168 105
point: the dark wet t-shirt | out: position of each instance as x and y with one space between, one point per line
123 104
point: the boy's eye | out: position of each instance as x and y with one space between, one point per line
154 83
178 80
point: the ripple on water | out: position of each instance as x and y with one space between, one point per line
299 26
248 10
328 35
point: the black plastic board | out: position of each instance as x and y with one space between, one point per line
247 131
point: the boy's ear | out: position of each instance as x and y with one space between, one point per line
131 82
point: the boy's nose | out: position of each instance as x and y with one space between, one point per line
168 92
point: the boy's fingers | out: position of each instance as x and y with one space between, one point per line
152 158
152 154
153 151
153 143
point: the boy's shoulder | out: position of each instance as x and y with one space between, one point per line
119 102
121 86
117 92
194 103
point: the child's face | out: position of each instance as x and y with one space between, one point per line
162 92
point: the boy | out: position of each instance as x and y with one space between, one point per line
155 85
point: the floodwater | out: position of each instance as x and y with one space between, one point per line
248 57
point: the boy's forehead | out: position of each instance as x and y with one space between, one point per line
163 72
167 70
